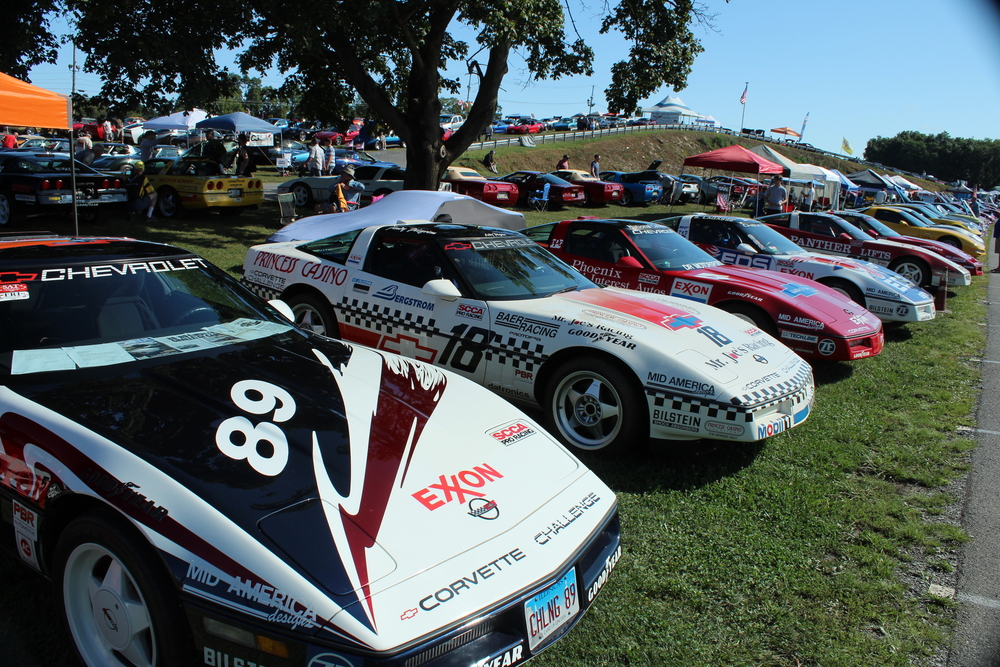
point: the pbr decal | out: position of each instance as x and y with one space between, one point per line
475 578
457 487
26 521
563 522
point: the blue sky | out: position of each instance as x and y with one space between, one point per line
860 69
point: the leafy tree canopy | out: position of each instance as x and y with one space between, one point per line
975 161
391 53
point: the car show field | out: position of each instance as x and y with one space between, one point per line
816 545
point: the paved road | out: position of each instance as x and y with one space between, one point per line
977 635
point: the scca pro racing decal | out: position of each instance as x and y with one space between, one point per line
511 432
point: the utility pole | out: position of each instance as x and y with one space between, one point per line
590 102
72 145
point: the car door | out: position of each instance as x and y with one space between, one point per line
722 239
597 252
398 316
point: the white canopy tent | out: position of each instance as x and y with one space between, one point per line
828 183
901 182
402 207
179 120
671 111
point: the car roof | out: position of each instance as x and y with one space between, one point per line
37 249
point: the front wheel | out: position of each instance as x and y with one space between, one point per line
593 406
753 315
848 289
952 241
6 208
313 313
118 605
913 269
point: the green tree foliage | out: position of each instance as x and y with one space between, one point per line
975 161
390 53
27 39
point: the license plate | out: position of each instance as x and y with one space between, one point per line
501 195
551 609
66 199
235 192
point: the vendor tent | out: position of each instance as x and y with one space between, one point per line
827 182
237 122
179 120
866 178
401 207
901 182
733 158
671 111
23 104
772 155
845 182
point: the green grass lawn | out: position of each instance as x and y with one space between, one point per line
787 552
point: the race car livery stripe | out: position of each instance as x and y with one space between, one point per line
635 306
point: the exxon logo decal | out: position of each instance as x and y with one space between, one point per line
688 289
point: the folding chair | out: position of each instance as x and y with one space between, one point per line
286 203
540 201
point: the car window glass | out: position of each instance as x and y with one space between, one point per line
667 249
600 244
334 248
405 259
713 233
540 233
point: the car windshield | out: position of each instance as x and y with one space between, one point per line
666 249
865 222
62 316
767 240
511 267
847 227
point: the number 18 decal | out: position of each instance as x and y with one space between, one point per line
272 398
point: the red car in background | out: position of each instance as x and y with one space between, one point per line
531 185
879 230
595 191
525 126
832 235
810 318
466 181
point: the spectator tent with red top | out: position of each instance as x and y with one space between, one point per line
733 158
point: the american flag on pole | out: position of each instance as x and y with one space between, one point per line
743 97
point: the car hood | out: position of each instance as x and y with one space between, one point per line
717 355
871 277
369 455
820 304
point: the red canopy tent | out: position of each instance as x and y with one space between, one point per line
733 158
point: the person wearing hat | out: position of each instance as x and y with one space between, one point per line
141 193
563 163
146 144
808 195
345 194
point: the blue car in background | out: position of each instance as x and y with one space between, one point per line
639 187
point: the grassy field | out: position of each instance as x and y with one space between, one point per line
815 547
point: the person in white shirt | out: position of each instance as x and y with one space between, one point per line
808 194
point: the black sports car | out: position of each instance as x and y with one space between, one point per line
35 183
207 484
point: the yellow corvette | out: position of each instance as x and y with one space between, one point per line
189 184
939 218
908 224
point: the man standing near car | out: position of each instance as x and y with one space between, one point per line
595 167
315 161
563 163
775 197
214 149
141 193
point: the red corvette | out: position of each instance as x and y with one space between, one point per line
831 235
810 318
532 184
595 191
526 126
465 181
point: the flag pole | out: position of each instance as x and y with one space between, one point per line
743 102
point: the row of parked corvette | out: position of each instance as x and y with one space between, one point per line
209 477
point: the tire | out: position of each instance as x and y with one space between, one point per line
848 289
753 315
914 269
593 406
168 203
338 141
303 194
88 215
587 201
627 198
116 599
313 313
6 209
952 241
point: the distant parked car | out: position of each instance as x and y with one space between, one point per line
526 126
595 190
469 182
532 184
640 187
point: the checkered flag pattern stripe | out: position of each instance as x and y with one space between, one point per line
702 407
260 290
517 352
384 319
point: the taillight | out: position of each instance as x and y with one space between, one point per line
59 184
45 184
211 185
118 183
260 185
105 184
218 185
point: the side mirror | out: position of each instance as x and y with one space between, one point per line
844 236
282 308
629 262
442 288
747 248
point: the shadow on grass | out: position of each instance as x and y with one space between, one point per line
30 631
896 333
830 372
668 465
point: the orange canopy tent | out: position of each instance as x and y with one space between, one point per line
24 104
